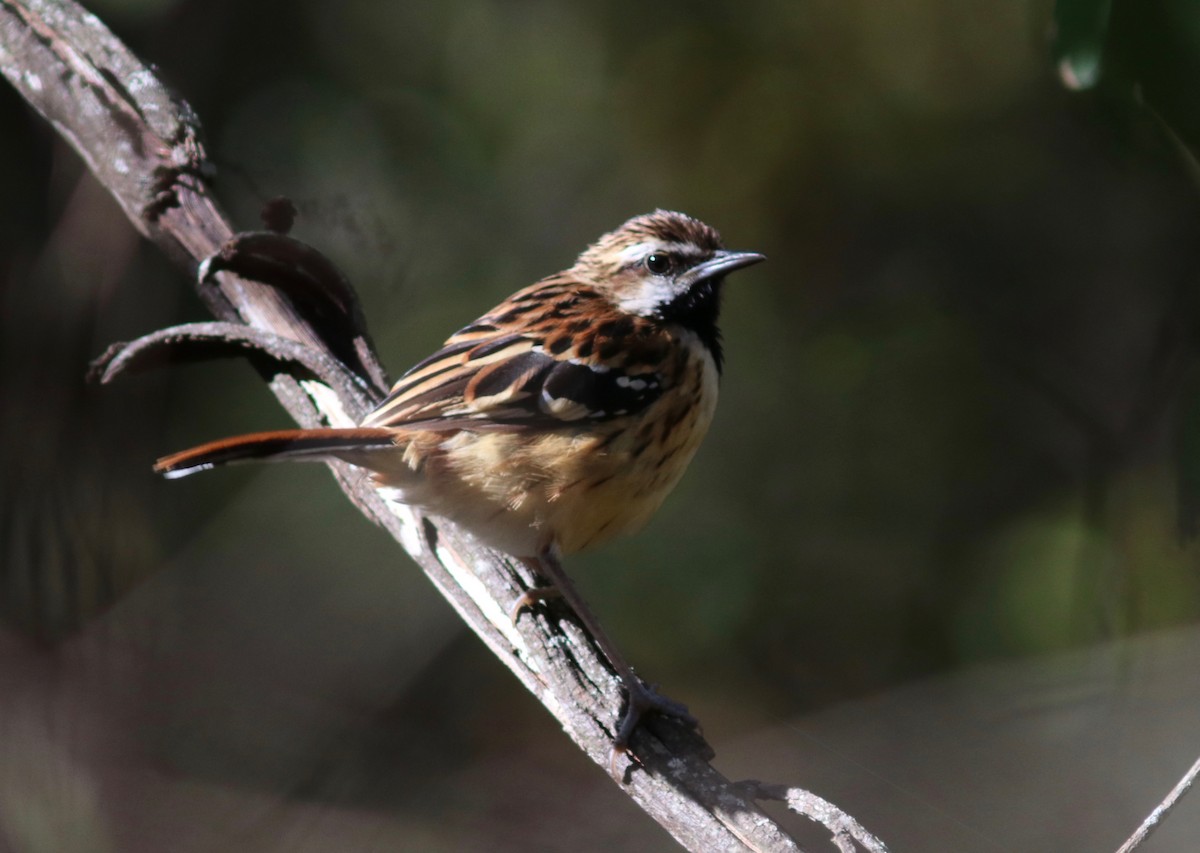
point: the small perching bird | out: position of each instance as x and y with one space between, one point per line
556 421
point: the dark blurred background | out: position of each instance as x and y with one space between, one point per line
933 560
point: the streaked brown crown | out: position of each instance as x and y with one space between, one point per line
603 259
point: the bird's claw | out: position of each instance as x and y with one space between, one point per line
644 699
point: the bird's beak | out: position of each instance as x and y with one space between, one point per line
721 263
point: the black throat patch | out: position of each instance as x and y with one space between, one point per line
698 310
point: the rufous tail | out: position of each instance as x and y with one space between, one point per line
316 445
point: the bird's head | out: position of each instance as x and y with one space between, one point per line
666 266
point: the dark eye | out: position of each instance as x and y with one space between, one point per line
659 263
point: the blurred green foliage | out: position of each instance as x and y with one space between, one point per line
947 430
969 277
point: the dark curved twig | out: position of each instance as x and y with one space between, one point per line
205 341
316 287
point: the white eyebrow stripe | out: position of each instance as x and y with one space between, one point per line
637 251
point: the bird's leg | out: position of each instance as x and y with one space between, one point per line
642 698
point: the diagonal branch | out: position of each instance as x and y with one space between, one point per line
144 146
1161 810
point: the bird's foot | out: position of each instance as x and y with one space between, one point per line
643 699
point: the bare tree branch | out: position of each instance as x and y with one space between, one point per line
144 146
1161 810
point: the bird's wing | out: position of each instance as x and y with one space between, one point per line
550 355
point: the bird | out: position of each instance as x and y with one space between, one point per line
556 421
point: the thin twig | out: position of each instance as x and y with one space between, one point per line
848 833
1155 817
206 341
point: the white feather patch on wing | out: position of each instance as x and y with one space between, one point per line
563 408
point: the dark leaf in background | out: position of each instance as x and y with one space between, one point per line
1080 33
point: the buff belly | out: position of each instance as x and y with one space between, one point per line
522 493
